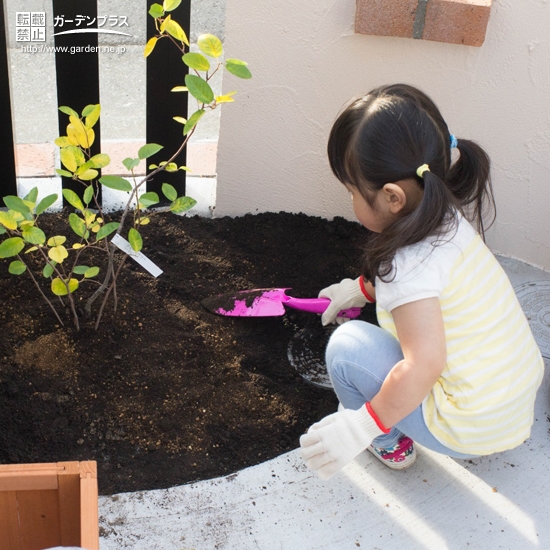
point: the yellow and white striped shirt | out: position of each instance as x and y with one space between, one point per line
483 401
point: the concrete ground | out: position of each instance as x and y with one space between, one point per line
499 501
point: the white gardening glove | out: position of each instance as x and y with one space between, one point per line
342 295
337 439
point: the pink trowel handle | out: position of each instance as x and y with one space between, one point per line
319 305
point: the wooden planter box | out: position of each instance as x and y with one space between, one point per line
46 505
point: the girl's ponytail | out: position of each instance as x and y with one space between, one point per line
469 181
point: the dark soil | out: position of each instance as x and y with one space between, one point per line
165 393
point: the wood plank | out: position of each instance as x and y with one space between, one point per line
7 469
89 520
28 482
22 477
39 519
69 503
9 521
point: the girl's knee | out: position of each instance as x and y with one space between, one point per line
362 344
342 340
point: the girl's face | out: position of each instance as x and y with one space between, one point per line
375 217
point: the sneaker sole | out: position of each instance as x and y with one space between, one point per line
411 459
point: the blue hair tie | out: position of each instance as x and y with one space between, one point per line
454 141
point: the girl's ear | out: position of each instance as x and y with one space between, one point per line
394 197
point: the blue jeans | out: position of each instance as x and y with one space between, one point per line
359 356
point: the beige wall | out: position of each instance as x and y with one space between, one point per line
307 62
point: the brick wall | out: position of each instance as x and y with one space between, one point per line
454 21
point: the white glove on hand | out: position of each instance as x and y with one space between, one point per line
342 295
337 439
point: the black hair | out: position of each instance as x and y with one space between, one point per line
384 137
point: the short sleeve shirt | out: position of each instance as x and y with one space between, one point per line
494 366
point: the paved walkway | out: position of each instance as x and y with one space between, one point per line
499 501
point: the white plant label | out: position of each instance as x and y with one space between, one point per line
141 259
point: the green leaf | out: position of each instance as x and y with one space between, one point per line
156 11
78 225
106 230
62 141
210 45
32 195
196 61
68 111
91 272
170 5
199 88
91 112
88 110
135 240
116 182
7 219
57 240
17 204
180 119
99 161
88 194
73 199
64 173
130 163
149 150
80 269
238 68
45 203
60 289
17 267
48 270
88 175
2 230
11 247
179 89
34 235
72 157
174 29
169 191
148 199
182 204
193 120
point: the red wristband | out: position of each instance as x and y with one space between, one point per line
364 290
376 419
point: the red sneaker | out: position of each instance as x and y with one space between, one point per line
399 457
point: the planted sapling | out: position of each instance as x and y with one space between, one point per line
63 260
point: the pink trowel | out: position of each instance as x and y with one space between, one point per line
268 302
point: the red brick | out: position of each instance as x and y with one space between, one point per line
457 21
453 21
385 17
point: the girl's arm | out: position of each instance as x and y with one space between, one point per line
421 334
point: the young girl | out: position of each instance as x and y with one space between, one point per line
453 365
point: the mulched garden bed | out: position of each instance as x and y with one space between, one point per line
166 393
